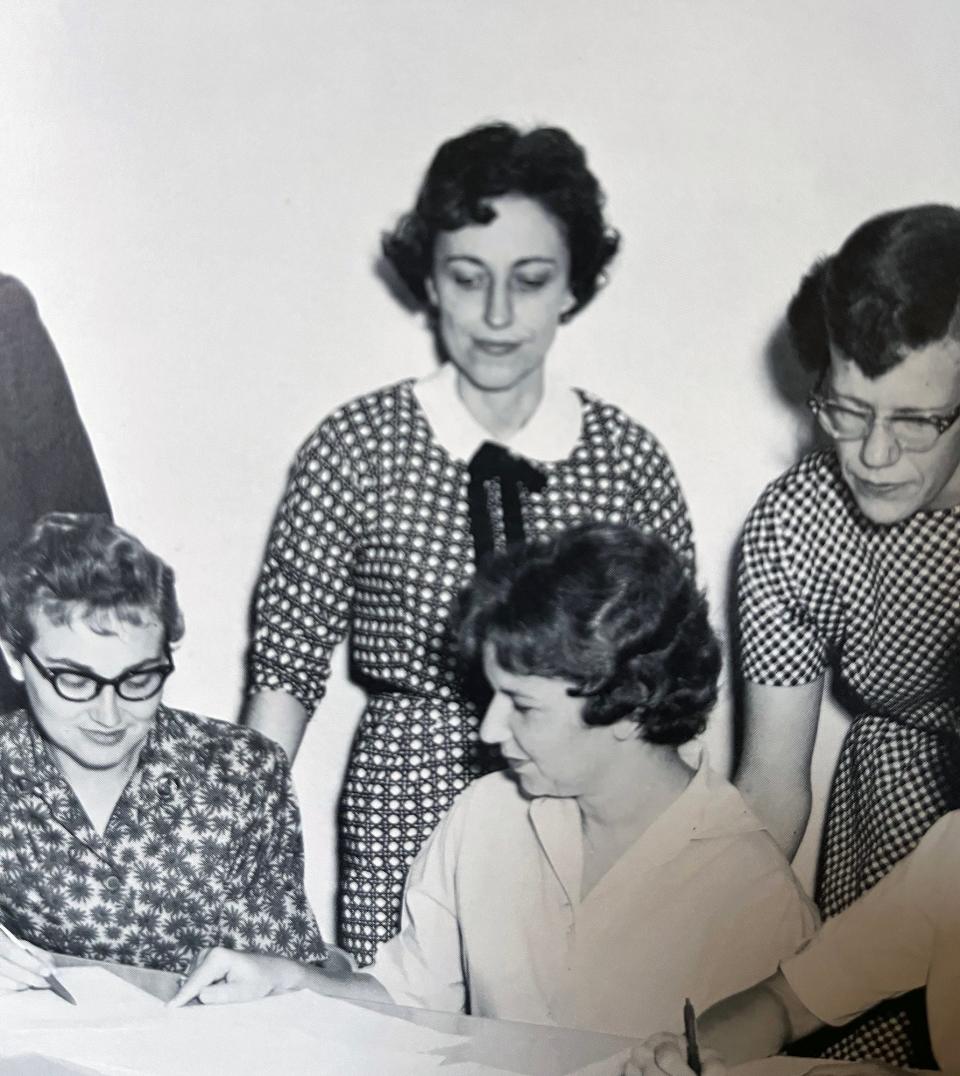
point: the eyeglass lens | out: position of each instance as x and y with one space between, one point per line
918 433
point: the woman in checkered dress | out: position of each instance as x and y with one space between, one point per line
851 563
397 494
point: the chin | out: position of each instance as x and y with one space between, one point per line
885 512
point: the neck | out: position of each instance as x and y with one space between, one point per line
648 780
506 411
97 790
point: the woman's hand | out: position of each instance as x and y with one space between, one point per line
221 976
666 1055
23 966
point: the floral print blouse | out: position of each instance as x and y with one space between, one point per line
203 848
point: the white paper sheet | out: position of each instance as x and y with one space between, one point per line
118 1030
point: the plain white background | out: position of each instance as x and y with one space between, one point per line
194 191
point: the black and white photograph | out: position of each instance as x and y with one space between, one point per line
479 537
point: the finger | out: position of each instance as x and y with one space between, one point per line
25 955
228 992
670 1060
11 986
198 958
212 968
19 972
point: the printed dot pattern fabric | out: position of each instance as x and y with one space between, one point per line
203 848
821 585
373 537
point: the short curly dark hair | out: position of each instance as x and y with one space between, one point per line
495 159
611 610
894 286
73 559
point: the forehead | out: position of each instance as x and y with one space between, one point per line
501 679
926 378
521 229
96 638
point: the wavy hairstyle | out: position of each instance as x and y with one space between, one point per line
612 611
894 286
544 164
70 560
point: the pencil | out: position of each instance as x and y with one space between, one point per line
690 1030
52 981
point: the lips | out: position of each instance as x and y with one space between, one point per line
496 347
877 489
104 738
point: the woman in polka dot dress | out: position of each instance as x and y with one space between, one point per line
851 561
395 495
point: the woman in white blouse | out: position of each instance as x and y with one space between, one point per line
600 878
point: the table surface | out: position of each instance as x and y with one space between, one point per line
524 1049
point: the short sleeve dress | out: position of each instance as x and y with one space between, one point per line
822 586
375 537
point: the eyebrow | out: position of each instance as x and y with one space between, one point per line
932 410
516 693
539 259
77 666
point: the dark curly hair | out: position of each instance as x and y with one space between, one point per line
69 559
609 609
894 286
544 164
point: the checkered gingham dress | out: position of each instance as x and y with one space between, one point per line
373 537
822 586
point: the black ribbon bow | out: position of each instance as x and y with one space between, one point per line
494 462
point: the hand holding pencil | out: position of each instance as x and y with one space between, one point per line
24 967
666 1055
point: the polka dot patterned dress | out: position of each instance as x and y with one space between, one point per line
821 586
374 537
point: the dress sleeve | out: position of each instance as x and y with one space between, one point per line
780 644
656 502
765 915
266 908
304 595
46 462
884 944
422 966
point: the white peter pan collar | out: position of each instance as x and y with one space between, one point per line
549 434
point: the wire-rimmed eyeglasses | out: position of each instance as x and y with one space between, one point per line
913 433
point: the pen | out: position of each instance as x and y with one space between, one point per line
52 981
690 1030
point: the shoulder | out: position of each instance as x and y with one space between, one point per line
212 747
605 421
727 816
15 297
494 796
371 412
804 490
356 429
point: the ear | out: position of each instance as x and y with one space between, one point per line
14 664
431 289
569 303
624 729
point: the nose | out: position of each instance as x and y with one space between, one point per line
107 712
494 728
879 447
498 309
